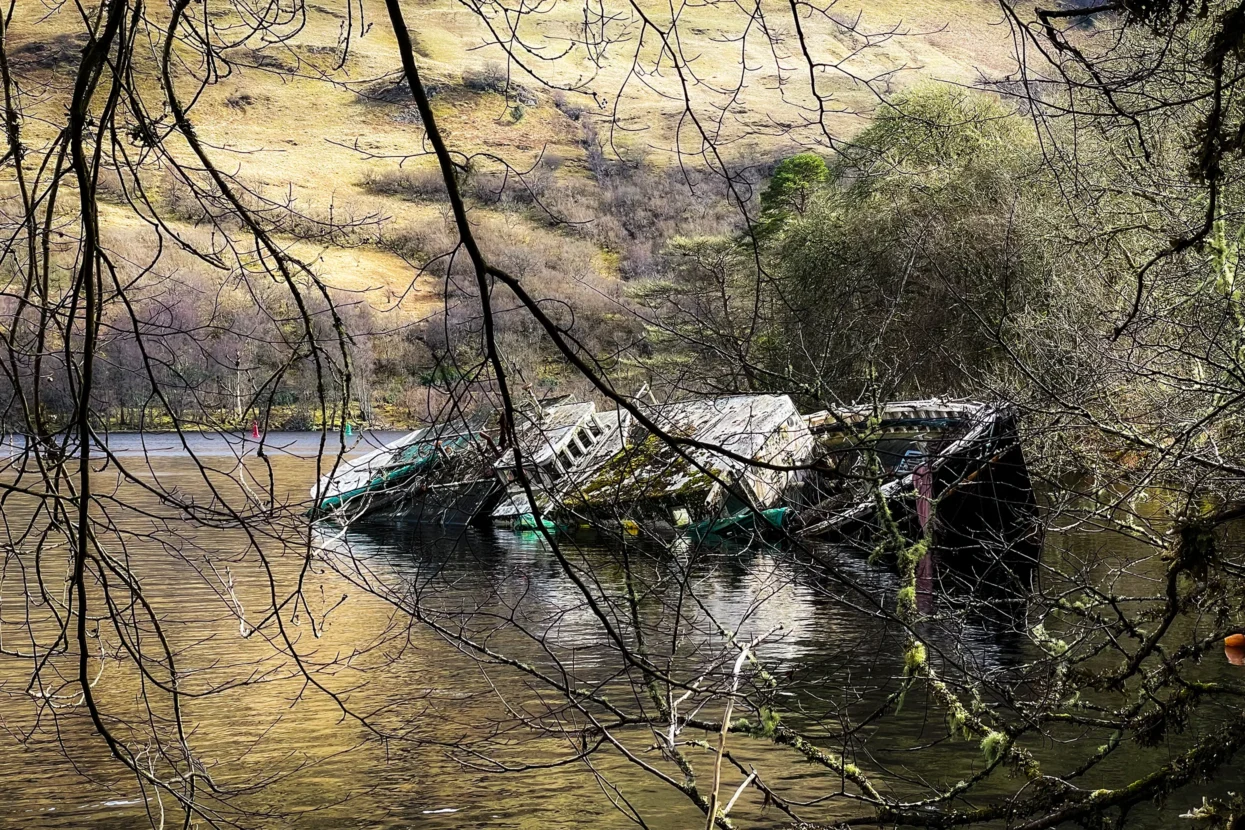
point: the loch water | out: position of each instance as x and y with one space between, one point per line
323 768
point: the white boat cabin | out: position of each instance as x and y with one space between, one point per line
553 447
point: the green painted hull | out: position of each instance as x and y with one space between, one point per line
527 521
744 523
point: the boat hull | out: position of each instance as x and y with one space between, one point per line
453 503
974 503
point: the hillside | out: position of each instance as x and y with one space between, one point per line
331 137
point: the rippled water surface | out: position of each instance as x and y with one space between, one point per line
324 769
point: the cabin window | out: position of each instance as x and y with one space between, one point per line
575 450
594 428
912 459
565 459
552 471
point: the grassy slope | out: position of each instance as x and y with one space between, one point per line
283 131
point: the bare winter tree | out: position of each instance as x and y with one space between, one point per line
1075 263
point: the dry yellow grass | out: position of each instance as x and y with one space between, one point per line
291 130
319 139
383 279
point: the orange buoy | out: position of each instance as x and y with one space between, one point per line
1236 656
1234 641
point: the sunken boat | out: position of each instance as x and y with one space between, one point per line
951 472
441 474
740 465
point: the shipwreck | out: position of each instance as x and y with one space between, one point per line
733 465
709 467
555 448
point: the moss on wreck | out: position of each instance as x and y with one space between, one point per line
647 471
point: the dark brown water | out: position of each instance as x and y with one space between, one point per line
457 718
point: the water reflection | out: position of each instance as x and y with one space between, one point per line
838 656
751 591
831 619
